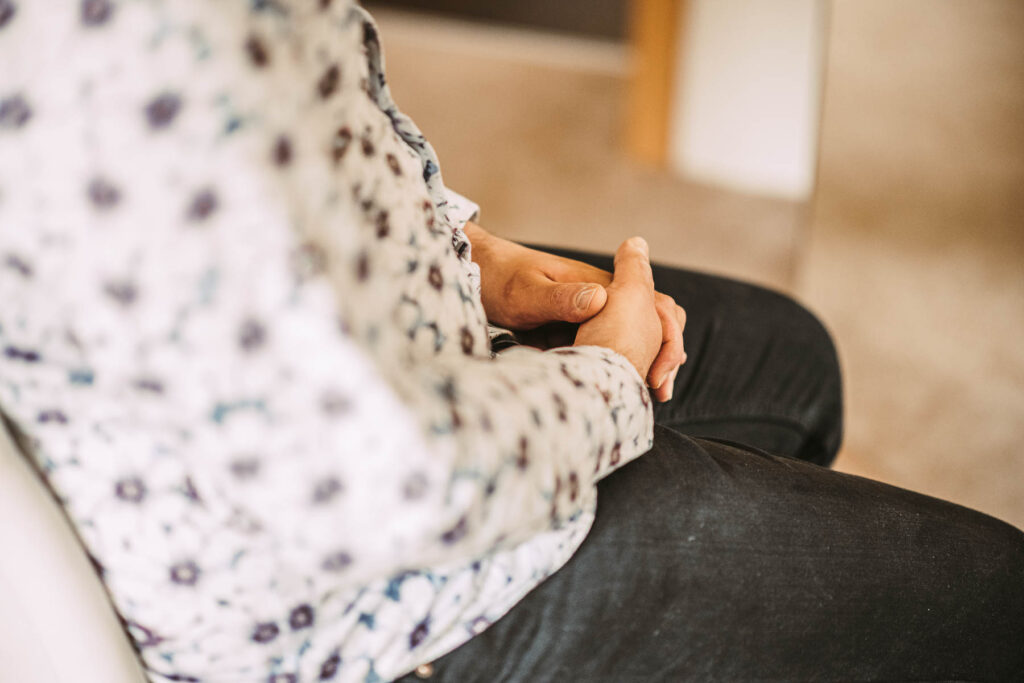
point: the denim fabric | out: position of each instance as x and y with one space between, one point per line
730 553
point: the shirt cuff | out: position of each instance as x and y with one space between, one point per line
459 209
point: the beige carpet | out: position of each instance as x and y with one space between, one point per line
537 146
916 253
913 252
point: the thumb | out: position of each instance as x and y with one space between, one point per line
632 263
572 302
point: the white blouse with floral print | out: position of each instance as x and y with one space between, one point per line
242 339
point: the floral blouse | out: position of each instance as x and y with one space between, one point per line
241 337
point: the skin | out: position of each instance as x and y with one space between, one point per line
552 301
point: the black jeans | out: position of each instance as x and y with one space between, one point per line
730 553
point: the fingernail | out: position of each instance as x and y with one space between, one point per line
584 297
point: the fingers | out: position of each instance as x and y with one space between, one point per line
576 302
633 267
681 317
664 392
563 269
671 355
633 264
665 367
545 300
533 297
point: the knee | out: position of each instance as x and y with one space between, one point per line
997 584
801 327
1002 566
814 356
818 344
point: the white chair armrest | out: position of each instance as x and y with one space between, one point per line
56 621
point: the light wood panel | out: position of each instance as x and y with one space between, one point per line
653 38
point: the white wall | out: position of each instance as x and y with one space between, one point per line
747 94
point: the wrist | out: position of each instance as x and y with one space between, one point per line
478 237
485 246
480 243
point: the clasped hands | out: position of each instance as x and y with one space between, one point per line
553 301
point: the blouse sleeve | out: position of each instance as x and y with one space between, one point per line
460 209
512 447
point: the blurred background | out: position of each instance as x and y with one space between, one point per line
863 155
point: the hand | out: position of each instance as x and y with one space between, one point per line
535 293
523 289
662 374
629 322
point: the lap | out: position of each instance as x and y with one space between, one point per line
761 369
712 559
719 562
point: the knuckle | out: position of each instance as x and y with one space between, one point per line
674 348
560 297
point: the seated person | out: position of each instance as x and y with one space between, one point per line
261 355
